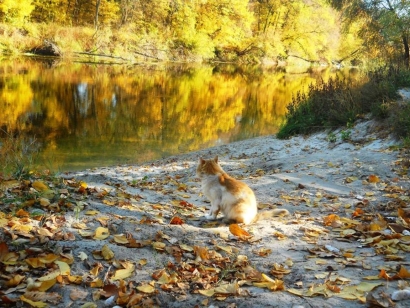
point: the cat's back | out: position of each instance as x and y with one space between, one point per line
234 186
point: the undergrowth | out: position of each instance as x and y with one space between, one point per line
338 102
18 154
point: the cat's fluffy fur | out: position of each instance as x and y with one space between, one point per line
232 197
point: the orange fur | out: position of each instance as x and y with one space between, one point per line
233 198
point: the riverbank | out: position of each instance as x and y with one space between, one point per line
136 235
345 230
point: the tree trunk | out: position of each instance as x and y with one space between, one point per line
97 9
406 49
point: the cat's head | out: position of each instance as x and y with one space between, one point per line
208 167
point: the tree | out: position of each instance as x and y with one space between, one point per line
16 12
388 23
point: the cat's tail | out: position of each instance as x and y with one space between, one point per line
271 213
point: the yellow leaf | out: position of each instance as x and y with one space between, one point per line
44 202
86 233
231 288
15 280
368 286
64 268
208 293
34 262
351 179
107 253
44 232
32 303
124 273
92 212
50 276
121 239
45 285
186 247
97 283
101 233
79 225
273 286
158 245
164 278
227 249
297 292
39 186
75 279
146 288
143 262
238 231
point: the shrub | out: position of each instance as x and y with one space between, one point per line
338 101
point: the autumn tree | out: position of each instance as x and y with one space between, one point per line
15 12
387 26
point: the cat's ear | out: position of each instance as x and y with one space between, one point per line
216 159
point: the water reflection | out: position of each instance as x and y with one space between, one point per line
89 115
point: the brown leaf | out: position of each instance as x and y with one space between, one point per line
176 221
77 294
201 253
373 179
238 231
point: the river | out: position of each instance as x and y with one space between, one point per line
84 115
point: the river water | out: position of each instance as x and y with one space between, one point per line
84 115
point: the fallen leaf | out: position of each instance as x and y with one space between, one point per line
107 253
39 186
33 303
176 221
101 233
373 179
124 273
238 231
146 288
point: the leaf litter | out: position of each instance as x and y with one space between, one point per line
134 236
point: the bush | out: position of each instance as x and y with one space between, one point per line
338 102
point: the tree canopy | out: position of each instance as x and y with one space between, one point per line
319 31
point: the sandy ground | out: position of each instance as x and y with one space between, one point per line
311 177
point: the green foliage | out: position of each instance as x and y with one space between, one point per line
345 134
401 121
337 102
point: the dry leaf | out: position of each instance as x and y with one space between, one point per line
238 231
77 294
107 253
64 268
101 233
39 186
124 273
373 179
146 288
176 221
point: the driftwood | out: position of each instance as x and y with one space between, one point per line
100 55
47 49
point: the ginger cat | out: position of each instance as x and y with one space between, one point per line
232 197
